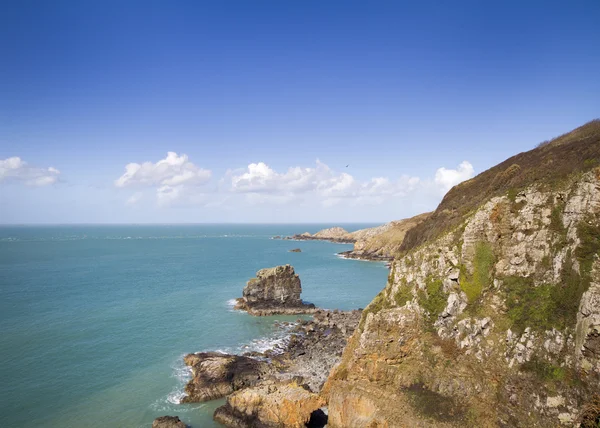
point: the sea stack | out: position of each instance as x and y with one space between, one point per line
274 291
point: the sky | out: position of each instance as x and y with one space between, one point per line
277 111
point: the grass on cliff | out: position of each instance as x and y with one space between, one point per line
548 165
483 265
432 299
548 306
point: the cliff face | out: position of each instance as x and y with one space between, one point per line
491 318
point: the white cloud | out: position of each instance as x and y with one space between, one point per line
135 198
173 177
320 182
448 178
15 169
173 170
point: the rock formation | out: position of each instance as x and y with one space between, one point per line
216 375
491 313
334 234
168 422
274 405
380 243
274 291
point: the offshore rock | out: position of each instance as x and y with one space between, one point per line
168 422
216 375
270 405
274 291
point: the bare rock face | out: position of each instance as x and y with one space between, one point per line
274 291
168 422
286 405
215 375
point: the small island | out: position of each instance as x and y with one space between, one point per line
274 291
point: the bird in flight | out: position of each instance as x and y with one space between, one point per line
347 166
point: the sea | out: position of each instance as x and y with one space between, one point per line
95 319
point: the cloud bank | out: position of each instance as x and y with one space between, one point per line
175 180
17 170
170 177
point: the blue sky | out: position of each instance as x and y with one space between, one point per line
270 100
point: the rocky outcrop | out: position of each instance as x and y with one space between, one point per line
382 243
168 422
273 405
491 313
333 234
274 291
295 250
315 347
216 375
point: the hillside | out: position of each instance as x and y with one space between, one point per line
374 243
546 166
491 314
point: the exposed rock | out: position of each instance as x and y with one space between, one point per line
333 234
382 243
216 375
276 405
274 291
316 346
276 237
168 422
295 250
491 317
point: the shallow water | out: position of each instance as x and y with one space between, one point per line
96 319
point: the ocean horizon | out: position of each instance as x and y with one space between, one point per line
97 318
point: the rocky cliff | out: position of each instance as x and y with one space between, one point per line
274 291
491 314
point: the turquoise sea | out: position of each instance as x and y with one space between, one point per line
95 320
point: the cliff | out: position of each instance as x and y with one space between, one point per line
491 313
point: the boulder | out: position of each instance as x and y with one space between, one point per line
216 375
283 405
168 422
274 291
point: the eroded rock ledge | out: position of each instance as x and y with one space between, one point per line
281 386
215 375
274 291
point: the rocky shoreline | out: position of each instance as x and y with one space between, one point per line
281 386
278 386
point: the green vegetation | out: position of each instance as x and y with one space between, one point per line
589 234
548 306
545 306
433 299
483 264
544 370
556 218
403 294
379 303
